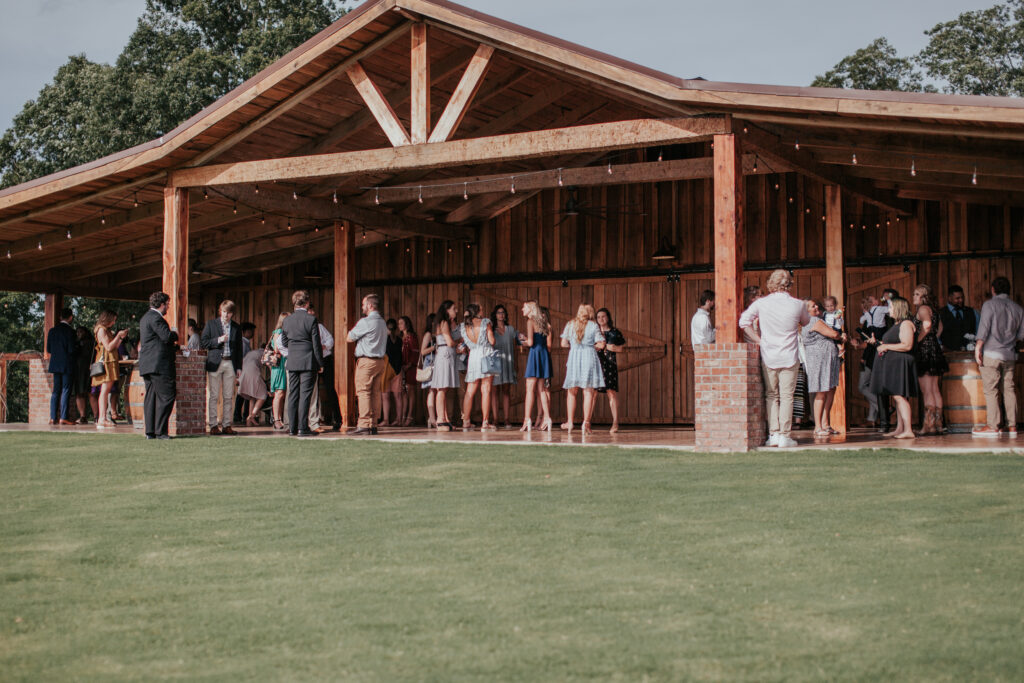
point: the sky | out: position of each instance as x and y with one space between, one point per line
785 42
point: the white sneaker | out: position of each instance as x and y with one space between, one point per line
786 442
773 440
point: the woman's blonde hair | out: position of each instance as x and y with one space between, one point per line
779 281
584 314
535 313
280 320
106 319
927 297
899 309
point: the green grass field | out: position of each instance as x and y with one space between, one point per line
280 559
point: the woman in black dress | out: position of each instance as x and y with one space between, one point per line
931 363
895 371
614 342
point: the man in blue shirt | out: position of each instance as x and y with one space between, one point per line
370 336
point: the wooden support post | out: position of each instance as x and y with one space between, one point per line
346 314
51 316
835 285
175 257
420 86
729 207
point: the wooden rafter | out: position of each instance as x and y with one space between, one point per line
460 100
884 126
604 137
419 86
770 148
378 105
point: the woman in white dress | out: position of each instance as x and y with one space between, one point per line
478 337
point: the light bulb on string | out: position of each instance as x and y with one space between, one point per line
887 222
387 244
560 183
974 177
206 193
755 163
513 188
465 192
744 129
661 155
40 245
807 210
449 250
234 209
335 197
428 251
420 198
364 234
376 195
913 167
316 228
8 253
796 146
263 219
69 232
790 200
854 159
135 200
256 188
103 218
407 250
609 168
295 195
289 223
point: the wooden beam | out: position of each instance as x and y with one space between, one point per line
835 285
68 203
953 180
771 149
345 316
379 107
587 176
419 110
175 257
399 95
963 164
849 123
460 100
729 232
604 137
299 97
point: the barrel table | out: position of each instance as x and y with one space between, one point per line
962 396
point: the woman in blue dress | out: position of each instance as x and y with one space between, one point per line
505 340
583 337
538 364
446 373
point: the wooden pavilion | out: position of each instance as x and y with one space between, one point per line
423 151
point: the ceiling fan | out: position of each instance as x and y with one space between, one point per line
198 269
575 207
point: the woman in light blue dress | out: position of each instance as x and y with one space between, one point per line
446 374
505 342
583 337
478 337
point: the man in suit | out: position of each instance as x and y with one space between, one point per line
300 334
959 322
60 344
222 338
156 365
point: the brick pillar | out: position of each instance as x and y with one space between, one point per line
729 394
40 388
189 415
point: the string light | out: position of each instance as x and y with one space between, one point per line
807 210
234 209
135 199
560 183
69 232
316 228
206 193
420 198
854 159
790 200
744 130
661 155
289 223
513 190
913 167
335 197
263 219
40 245
295 195
797 145
465 192
974 177
609 168
755 166
364 233
376 197
103 218
387 244
257 189
8 253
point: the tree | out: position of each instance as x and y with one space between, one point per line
182 57
980 52
875 67
21 329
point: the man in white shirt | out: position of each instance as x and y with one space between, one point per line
701 329
370 336
780 317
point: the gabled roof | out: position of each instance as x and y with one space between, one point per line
300 100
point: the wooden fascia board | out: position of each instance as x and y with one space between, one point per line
574 140
803 120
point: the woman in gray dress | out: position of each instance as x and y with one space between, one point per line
505 342
446 373
583 337
251 385
822 365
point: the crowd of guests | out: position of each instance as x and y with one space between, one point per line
904 343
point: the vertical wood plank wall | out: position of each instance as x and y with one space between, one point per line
784 222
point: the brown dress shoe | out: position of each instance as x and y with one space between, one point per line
228 431
66 422
214 430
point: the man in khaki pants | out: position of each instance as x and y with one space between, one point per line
222 338
995 351
370 336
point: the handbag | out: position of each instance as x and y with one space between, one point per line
98 367
423 374
271 358
491 364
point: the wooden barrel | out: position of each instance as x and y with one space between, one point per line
962 397
136 395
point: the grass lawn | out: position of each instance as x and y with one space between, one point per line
271 559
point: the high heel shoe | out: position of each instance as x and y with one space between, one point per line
487 427
527 425
467 426
431 424
586 428
545 426
567 426
278 425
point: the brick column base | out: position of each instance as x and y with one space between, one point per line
40 388
729 396
189 415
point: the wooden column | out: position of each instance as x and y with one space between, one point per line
728 189
835 285
175 257
420 86
51 316
346 313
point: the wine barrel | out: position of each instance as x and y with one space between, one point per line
136 395
962 396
